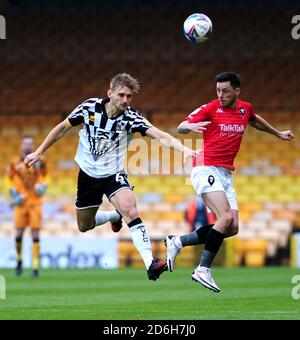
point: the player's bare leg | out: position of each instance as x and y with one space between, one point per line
125 202
234 228
89 218
35 233
19 240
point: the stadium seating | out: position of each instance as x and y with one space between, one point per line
162 201
174 81
255 253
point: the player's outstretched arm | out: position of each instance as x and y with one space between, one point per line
55 134
169 141
186 127
261 124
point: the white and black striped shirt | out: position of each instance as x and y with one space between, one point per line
103 141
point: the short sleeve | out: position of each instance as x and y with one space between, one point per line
198 115
252 115
140 124
76 116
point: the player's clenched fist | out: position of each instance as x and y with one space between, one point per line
31 159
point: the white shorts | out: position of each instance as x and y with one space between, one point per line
212 178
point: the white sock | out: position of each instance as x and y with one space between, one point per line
142 242
177 242
105 216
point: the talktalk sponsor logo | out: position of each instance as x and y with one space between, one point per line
232 127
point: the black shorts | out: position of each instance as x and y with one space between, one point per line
90 190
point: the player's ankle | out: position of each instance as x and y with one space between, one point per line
177 242
115 216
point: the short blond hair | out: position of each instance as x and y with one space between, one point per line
124 79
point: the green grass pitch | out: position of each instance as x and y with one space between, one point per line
127 294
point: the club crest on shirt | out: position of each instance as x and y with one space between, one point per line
121 125
242 111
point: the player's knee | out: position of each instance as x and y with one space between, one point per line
20 233
234 229
227 220
19 238
83 227
130 212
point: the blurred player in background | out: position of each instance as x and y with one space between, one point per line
212 173
196 215
26 188
107 127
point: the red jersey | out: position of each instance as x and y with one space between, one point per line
223 136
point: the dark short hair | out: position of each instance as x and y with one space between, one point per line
233 78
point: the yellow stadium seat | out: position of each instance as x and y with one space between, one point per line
252 207
173 198
255 253
187 258
174 215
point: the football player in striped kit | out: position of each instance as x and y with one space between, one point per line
107 126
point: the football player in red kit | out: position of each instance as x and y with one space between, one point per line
222 122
